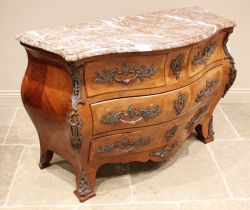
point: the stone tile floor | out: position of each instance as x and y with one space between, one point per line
199 177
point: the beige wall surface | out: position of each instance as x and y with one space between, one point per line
17 16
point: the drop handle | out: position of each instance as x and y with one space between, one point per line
121 116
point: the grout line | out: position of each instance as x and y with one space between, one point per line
11 123
234 129
13 178
216 200
178 203
134 203
42 206
73 206
178 206
131 189
232 139
11 106
220 172
25 145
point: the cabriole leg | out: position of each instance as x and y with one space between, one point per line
85 186
205 131
45 158
45 154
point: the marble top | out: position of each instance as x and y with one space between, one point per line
145 32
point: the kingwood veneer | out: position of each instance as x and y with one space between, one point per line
125 89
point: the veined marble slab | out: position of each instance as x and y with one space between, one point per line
145 32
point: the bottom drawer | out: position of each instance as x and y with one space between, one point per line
121 144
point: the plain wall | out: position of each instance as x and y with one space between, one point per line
17 16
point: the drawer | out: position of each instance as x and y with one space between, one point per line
121 144
139 111
142 111
124 74
207 87
204 53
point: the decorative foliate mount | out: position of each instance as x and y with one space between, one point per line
83 187
125 145
232 71
74 117
179 103
125 74
196 116
210 84
171 133
201 57
176 65
210 127
119 116
165 151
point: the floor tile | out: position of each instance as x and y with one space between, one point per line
22 130
32 186
55 185
38 208
233 159
190 174
111 190
216 205
6 115
9 156
239 116
133 207
3 132
222 128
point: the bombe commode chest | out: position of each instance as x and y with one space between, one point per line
125 89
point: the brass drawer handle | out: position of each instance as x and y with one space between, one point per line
142 114
171 133
121 75
201 57
165 151
125 145
176 65
210 84
180 103
132 122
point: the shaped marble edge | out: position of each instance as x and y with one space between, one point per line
140 33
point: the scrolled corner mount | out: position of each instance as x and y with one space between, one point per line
74 119
232 70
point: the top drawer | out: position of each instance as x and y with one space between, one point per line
124 73
205 52
184 63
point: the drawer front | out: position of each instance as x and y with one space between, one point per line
154 109
204 53
121 144
207 87
139 111
124 73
